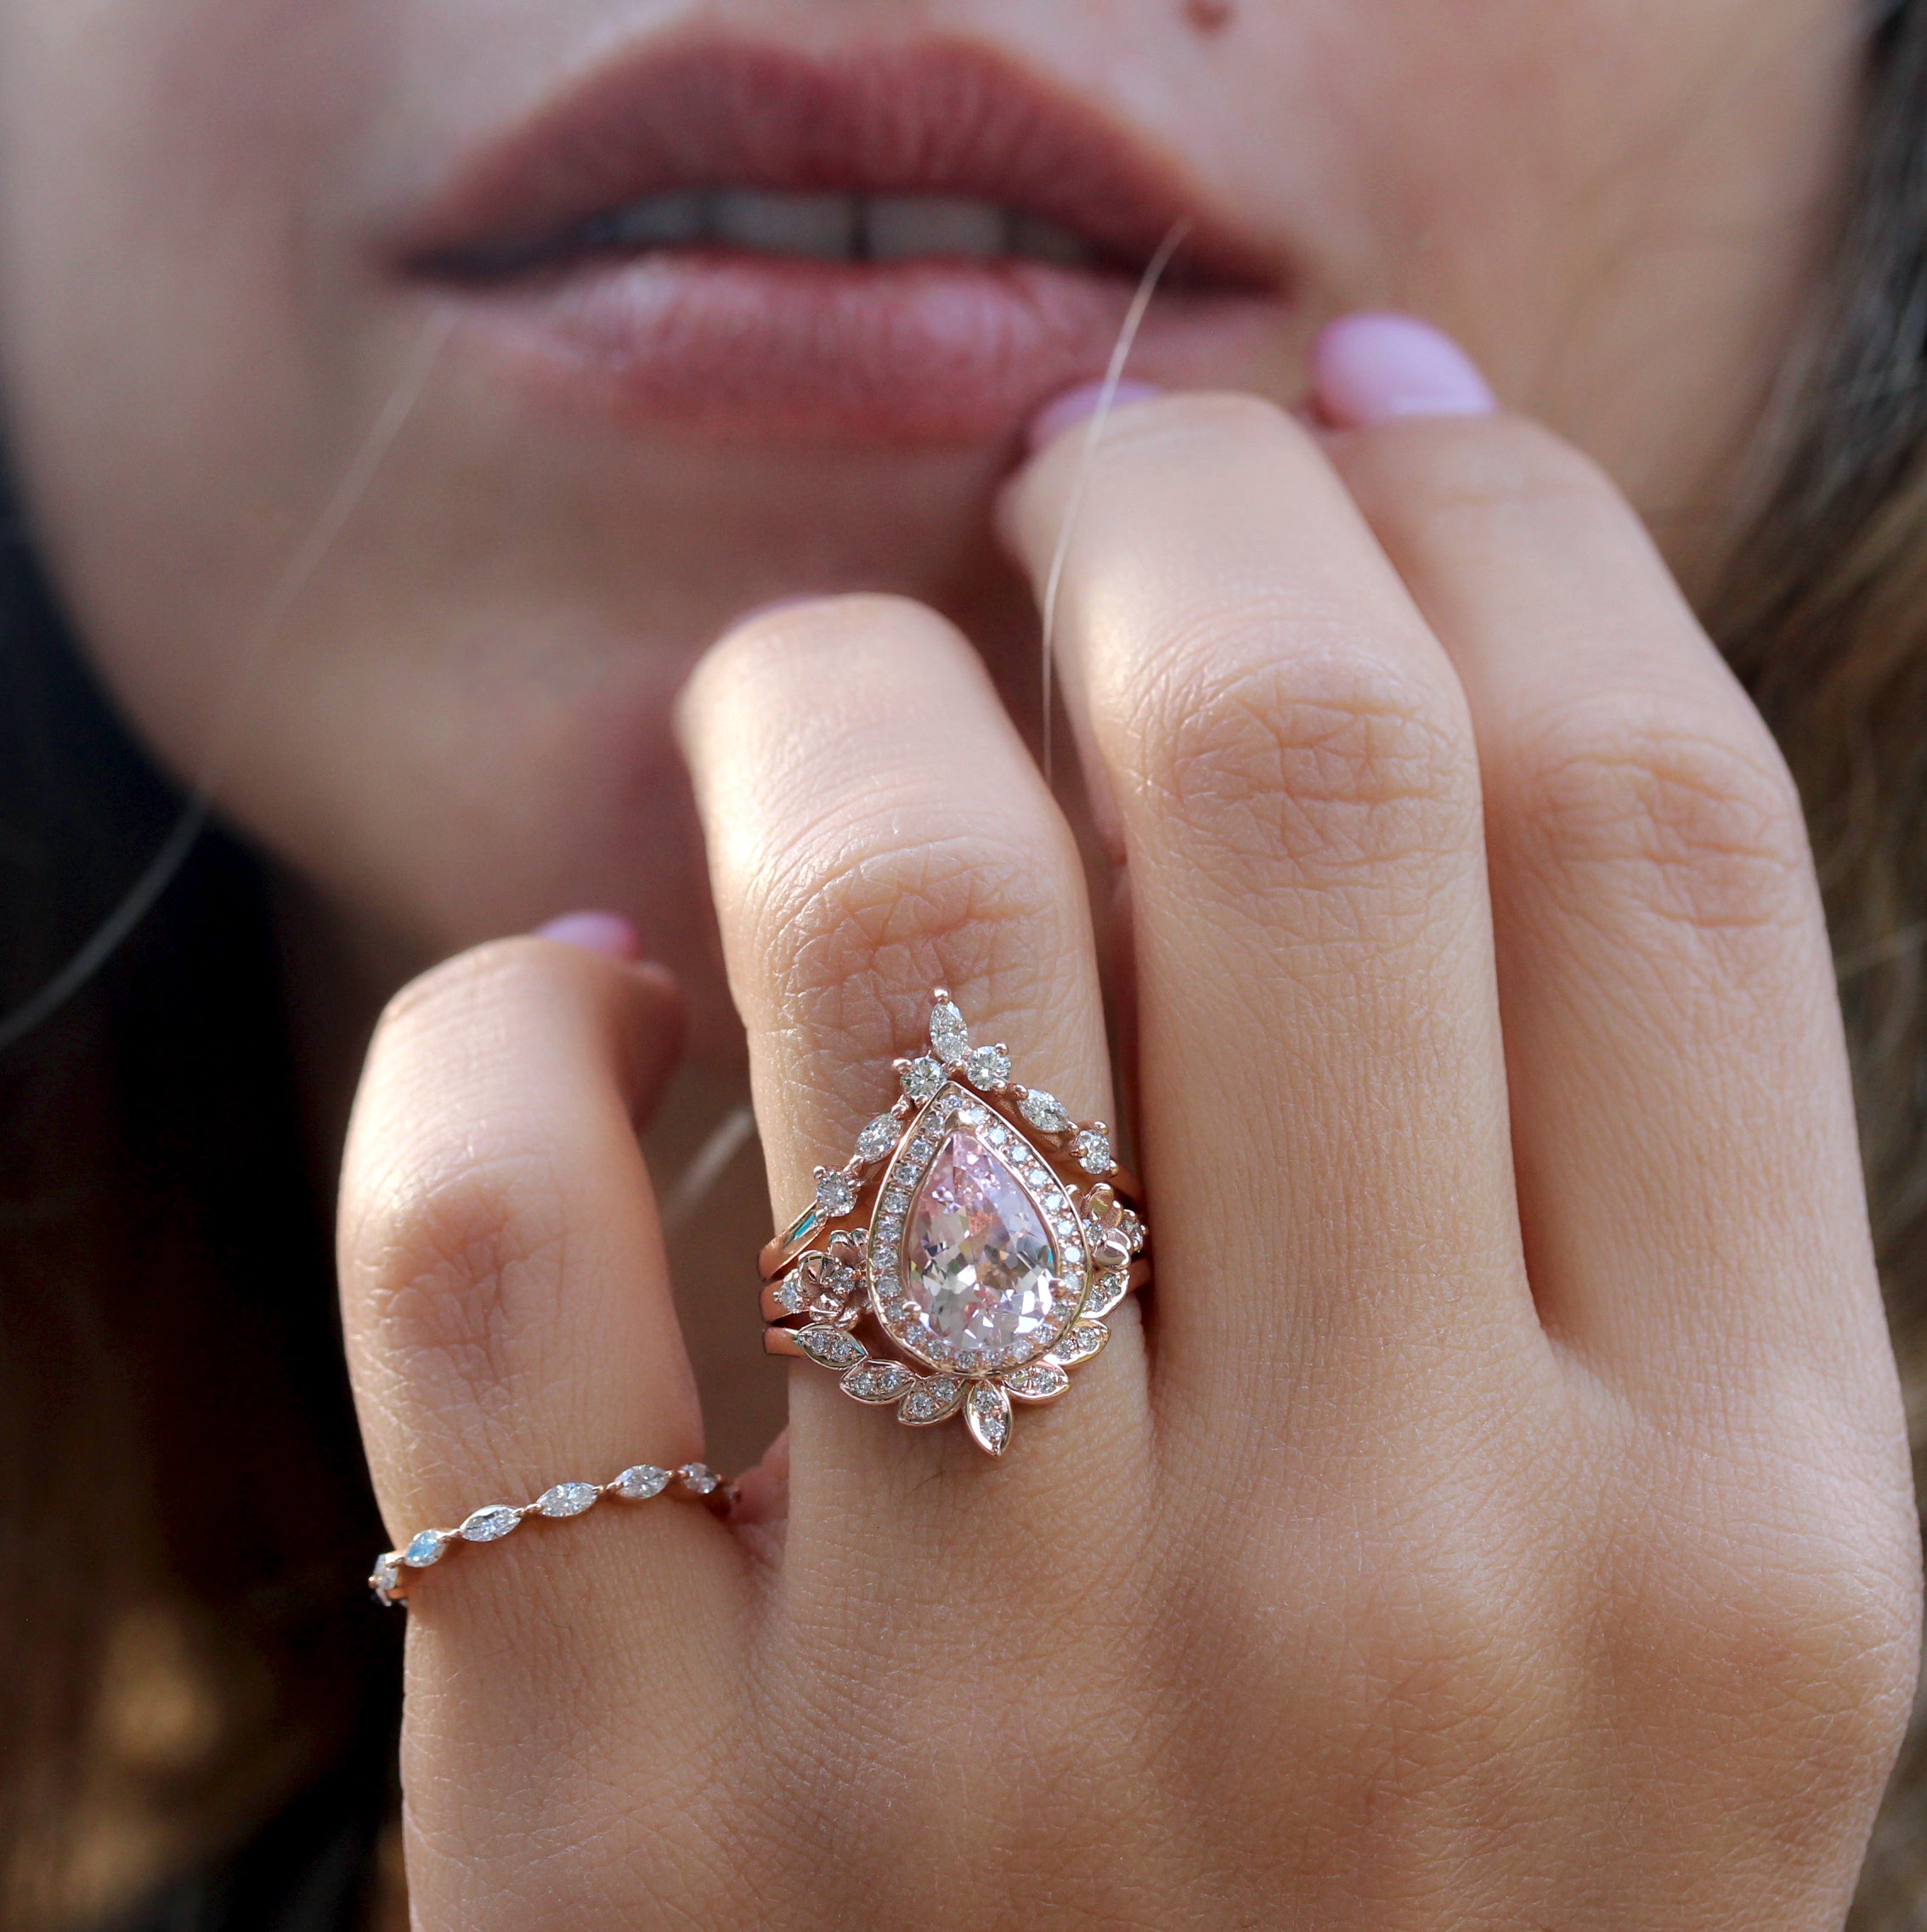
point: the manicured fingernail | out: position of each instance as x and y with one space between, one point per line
596 932
1373 369
1078 405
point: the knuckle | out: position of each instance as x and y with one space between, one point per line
1819 1661
1788 1614
762 647
1285 744
453 1216
853 933
1689 823
452 1256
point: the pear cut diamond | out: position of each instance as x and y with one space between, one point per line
978 1269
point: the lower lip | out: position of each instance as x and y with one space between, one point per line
922 352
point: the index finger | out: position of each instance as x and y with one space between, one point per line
504 1295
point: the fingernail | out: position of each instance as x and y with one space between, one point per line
596 932
1078 405
1373 369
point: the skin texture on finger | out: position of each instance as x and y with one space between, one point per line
1312 930
509 1327
502 1279
1294 774
1682 1118
1683 1128
875 826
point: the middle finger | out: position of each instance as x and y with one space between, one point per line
1292 774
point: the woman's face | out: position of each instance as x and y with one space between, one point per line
407 390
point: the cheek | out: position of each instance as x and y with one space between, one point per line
1617 206
165 403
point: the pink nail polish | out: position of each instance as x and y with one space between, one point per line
1078 405
606 933
1372 369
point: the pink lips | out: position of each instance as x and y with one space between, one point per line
943 350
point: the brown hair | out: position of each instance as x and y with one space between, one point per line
184 1514
1824 613
185 1520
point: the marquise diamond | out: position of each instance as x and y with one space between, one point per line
878 1136
490 1525
1046 1110
950 1038
644 1481
568 1498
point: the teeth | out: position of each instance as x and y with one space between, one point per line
900 227
823 226
837 227
661 221
1032 236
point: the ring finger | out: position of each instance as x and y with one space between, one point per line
876 828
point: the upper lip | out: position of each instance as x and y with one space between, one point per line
928 118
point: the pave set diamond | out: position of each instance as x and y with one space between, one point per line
979 1262
490 1524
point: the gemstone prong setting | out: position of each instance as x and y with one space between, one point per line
978 1234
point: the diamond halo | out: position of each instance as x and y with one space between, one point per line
985 1253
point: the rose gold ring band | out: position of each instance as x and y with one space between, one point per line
395 1570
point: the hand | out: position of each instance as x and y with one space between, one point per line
1500 1516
